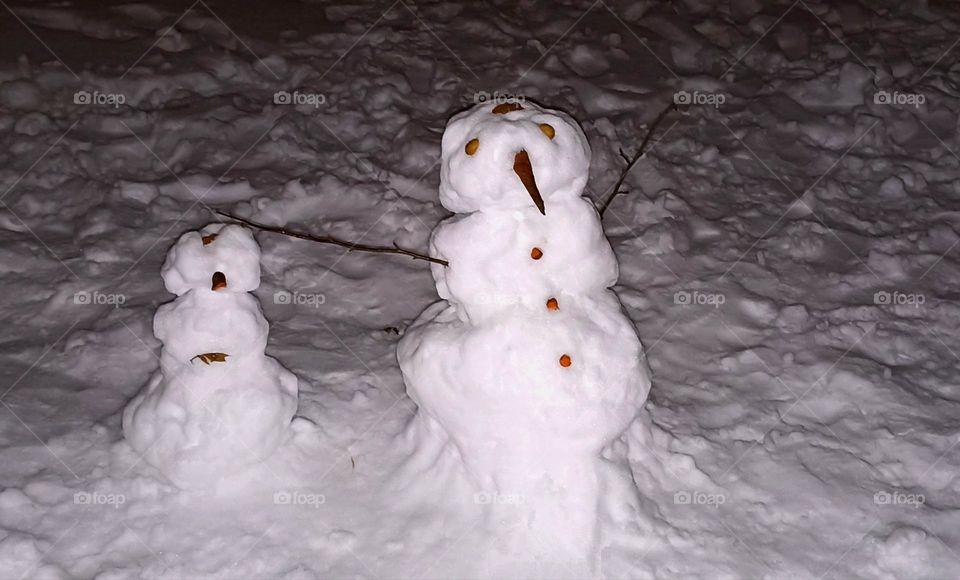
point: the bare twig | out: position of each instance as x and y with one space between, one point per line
351 246
631 161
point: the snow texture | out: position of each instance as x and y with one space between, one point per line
528 366
229 249
788 249
484 180
200 420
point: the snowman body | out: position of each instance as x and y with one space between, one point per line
495 269
528 366
217 404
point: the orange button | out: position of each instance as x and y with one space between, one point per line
552 304
536 253
565 361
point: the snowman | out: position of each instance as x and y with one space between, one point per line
217 404
528 369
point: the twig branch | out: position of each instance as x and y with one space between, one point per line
350 246
631 161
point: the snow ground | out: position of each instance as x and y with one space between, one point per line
787 257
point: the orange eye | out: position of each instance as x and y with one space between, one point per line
472 146
504 108
565 361
547 130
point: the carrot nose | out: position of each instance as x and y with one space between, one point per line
219 281
524 170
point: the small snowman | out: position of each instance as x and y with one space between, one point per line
528 369
217 404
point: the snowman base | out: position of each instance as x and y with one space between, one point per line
209 421
538 518
529 439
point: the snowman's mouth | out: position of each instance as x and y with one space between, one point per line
524 170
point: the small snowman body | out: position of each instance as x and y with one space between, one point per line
217 404
528 367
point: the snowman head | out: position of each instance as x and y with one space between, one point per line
225 252
512 155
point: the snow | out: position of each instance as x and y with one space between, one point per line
490 256
474 180
218 404
228 249
528 369
801 426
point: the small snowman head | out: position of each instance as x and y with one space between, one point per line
218 257
512 155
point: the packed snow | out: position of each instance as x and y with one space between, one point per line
217 404
786 249
526 390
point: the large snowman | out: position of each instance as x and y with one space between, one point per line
217 404
528 368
